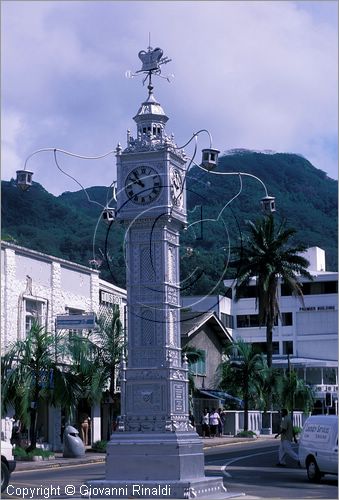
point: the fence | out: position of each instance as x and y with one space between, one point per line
234 419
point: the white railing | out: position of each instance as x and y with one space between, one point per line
234 421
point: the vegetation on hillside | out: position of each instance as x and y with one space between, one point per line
69 226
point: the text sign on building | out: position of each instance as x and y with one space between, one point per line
75 321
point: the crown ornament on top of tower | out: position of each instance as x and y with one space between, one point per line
152 60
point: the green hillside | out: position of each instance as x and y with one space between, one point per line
69 226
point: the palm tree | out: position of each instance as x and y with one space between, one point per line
31 373
111 346
268 255
243 367
266 385
92 358
294 393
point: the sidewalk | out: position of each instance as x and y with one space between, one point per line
93 457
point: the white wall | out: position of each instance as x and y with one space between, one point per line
26 274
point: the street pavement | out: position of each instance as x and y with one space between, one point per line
93 457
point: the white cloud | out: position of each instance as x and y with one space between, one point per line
10 152
261 75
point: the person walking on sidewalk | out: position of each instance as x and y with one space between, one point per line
287 436
205 423
214 423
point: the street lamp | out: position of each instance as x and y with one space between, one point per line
209 158
24 179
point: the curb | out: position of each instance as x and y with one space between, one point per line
22 466
27 466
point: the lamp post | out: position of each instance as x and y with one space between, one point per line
157 452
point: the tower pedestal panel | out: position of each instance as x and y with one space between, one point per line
157 456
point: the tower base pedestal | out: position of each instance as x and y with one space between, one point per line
207 488
156 465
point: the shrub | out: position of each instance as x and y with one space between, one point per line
100 446
297 430
39 452
246 434
19 452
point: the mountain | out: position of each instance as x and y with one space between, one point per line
70 226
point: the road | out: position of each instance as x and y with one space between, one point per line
251 469
248 468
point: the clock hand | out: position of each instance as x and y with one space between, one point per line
136 180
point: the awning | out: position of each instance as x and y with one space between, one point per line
221 395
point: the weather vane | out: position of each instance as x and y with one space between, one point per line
151 60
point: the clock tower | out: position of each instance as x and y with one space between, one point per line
156 446
151 203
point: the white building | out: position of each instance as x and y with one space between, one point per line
306 335
38 286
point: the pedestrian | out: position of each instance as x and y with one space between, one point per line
16 431
84 426
221 422
205 421
287 436
214 422
191 419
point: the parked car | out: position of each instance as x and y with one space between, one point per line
318 446
7 463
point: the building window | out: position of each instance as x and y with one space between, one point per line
251 321
227 320
287 347
317 288
199 367
248 292
247 320
71 311
34 313
286 319
262 347
329 376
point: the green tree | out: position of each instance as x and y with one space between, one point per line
111 344
95 357
266 385
268 255
242 365
294 393
32 374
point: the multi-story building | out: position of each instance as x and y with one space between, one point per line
306 334
36 286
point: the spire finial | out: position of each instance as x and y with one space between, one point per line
150 87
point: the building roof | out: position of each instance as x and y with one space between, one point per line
34 254
192 321
150 107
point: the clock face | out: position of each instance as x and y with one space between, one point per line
176 187
143 185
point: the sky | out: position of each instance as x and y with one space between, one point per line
258 75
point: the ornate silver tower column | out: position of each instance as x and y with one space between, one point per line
156 454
